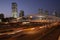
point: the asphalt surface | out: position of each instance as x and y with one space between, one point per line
35 33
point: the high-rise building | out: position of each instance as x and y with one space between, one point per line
14 10
21 14
1 17
55 13
46 12
40 11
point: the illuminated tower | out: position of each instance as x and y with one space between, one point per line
40 11
54 13
46 12
14 10
21 14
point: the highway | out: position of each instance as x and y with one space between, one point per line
35 36
31 33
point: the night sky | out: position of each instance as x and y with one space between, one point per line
29 6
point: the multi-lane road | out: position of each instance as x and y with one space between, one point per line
32 33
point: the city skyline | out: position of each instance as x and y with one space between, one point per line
29 6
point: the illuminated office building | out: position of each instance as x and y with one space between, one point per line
14 10
1 17
21 14
40 11
46 12
55 13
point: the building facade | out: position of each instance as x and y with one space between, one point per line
14 10
1 17
40 11
46 12
55 13
21 14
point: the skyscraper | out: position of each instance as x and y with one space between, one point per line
1 17
21 14
55 13
14 10
46 12
40 11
